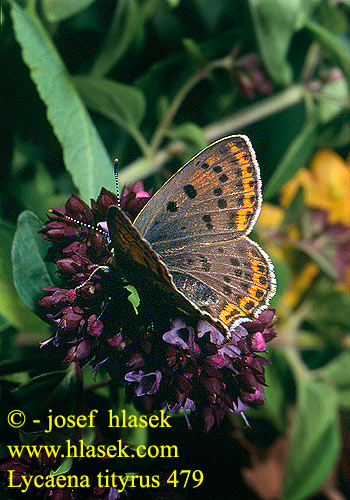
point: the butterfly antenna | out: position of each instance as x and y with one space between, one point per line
78 222
116 177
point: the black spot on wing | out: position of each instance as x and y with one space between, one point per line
223 178
190 191
171 206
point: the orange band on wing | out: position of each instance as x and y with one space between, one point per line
242 218
256 292
230 312
247 304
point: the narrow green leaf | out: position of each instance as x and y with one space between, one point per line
331 43
59 389
294 210
172 3
333 18
125 26
274 26
132 436
84 154
133 297
315 440
191 134
64 468
11 306
334 100
4 323
283 274
30 272
323 261
344 398
194 51
297 153
338 370
274 398
275 23
336 135
56 11
123 104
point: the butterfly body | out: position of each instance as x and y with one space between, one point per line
190 240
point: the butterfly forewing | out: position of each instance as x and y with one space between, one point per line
216 194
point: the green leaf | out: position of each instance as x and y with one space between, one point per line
283 274
322 260
338 370
274 26
329 308
297 153
37 193
336 135
132 436
315 440
172 3
192 135
84 154
11 306
55 10
333 18
334 100
4 323
65 467
337 373
274 398
275 23
126 25
194 51
333 46
295 210
344 398
57 390
30 272
123 104
133 297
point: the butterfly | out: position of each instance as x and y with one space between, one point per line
190 244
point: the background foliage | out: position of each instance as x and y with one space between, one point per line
152 82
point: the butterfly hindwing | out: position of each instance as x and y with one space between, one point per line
232 280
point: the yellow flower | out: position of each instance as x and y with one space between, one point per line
326 186
270 216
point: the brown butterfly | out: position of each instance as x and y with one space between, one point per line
190 240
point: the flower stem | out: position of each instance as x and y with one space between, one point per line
179 98
144 167
78 398
290 331
256 112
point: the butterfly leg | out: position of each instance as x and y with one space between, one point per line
105 269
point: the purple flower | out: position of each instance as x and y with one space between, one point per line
163 362
147 383
95 326
134 198
250 76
